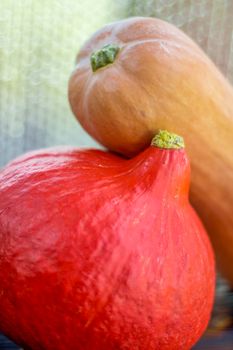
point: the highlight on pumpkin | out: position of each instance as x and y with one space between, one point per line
166 139
104 56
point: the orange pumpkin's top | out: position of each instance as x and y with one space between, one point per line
124 102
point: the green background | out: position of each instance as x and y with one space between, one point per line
39 40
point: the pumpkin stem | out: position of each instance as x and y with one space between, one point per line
166 139
104 56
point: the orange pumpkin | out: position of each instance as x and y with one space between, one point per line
138 75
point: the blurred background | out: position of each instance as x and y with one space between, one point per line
38 44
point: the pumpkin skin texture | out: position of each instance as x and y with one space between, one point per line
99 252
161 79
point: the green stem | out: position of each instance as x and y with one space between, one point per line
166 139
104 56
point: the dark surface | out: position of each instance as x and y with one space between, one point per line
6 344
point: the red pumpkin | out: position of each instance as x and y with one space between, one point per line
98 252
